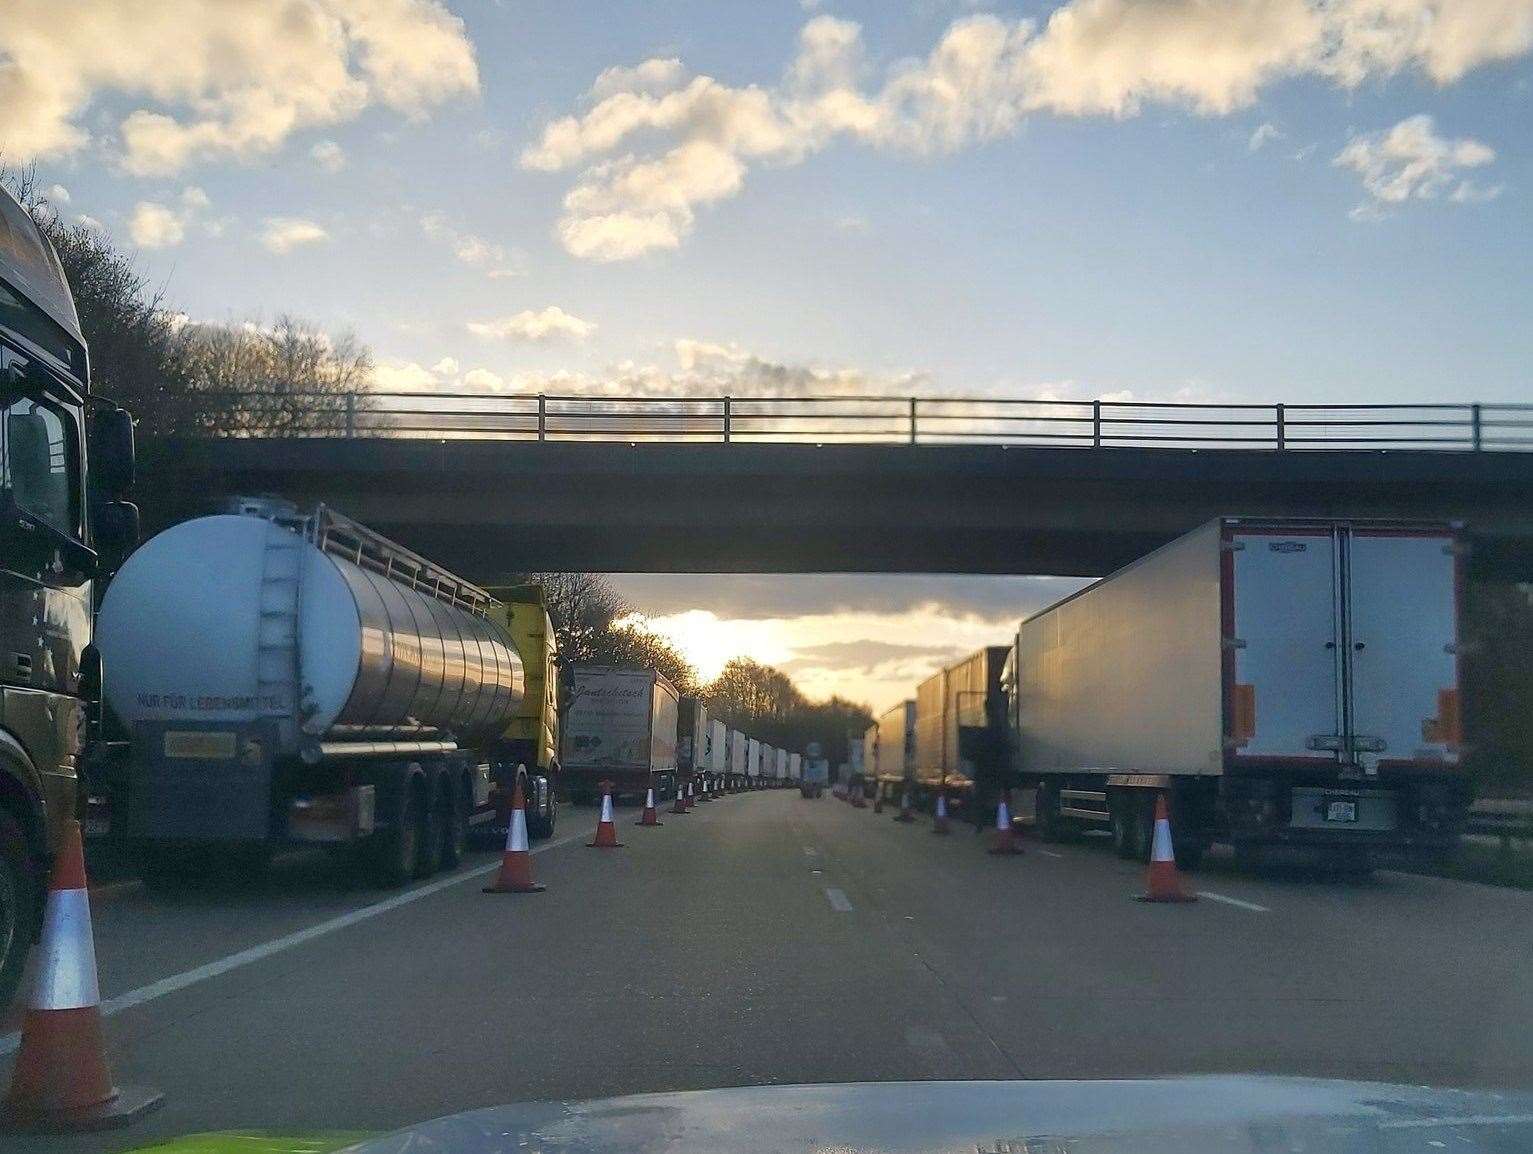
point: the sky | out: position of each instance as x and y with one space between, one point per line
1223 200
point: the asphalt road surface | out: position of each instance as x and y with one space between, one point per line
768 939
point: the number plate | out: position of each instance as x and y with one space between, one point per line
200 746
1341 811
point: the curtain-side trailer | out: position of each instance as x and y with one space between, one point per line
960 725
1285 683
896 749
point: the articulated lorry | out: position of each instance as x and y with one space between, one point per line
294 677
718 754
1284 683
692 741
66 460
960 728
892 769
739 753
619 727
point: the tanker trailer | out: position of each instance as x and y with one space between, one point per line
297 678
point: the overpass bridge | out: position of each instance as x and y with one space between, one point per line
494 485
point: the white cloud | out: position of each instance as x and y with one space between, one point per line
58 194
546 324
1412 162
218 80
1263 134
446 367
328 156
498 261
654 144
282 234
84 220
157 225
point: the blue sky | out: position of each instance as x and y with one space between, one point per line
1163 199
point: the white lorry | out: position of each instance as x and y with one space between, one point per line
1284 683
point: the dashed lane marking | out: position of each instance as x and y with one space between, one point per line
156 990
1050 853
1238 903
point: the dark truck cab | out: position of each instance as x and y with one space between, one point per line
61 455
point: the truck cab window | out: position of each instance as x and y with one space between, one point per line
35 465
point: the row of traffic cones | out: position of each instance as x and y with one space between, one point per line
1163 883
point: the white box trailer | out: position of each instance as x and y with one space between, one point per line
691 735
619 726
782 765
718 750
738 757
795 766
768 763
752 759
1285 682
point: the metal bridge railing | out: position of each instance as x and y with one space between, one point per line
881 420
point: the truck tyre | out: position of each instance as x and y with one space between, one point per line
1048 820
18 904
1124 808
455 822
395 851
542 825
433 823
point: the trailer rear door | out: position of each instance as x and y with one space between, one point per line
1403 617
1282 605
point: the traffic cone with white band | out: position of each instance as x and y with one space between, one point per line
1006 842
1162 882
680 804
606 832
61 1081
906 814
515 875
691 795
939 821
648 817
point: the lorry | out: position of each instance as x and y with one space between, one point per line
66 463
619 727
1284 683
691 741
753 763
718 754
795 766
283 676
530 742
896 751
768 766
960 731
739 755
816 772
782 767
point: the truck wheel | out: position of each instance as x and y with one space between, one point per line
454 824
395 852
433 828
18 905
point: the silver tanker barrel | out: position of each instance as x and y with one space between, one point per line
288 677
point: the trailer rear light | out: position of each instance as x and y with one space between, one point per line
1243 709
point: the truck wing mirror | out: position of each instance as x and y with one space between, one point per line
116 532
111 449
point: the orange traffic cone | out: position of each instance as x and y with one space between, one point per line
1162 882
61 1081
939 821
680 804
515 875
648 817
606 832
906 814
1006 841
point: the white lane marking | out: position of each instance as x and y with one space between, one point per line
170 985
1239 903
1049 853
838 900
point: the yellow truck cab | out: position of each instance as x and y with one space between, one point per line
530 743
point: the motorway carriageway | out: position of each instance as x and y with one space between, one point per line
768 939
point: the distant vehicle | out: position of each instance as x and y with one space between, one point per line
768 766
795 766
781 768
1285 683
286 677
691 740
739 756
960 729
893 772
816 772
753 762
718 753
66 459
619 726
